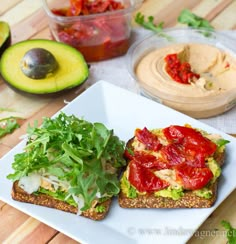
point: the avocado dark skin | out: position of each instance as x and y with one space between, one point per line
46 95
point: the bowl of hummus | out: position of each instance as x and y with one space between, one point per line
190 70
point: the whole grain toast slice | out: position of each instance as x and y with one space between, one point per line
188 200
19 194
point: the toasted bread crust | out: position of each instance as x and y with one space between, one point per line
189 200
19 194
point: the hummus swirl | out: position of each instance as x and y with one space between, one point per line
217 70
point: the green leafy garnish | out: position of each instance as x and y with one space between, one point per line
86 155
185 17
8 125
231 232
195 21
100 209
222 142
150 25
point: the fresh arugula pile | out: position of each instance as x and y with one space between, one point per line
86 155
186 17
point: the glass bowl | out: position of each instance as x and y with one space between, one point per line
97 36
215 91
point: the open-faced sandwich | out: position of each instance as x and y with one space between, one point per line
69 164
172 167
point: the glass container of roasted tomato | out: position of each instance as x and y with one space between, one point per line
190 70
99 29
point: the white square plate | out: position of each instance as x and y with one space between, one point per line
124 111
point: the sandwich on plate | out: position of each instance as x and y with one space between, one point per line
69 164
172 167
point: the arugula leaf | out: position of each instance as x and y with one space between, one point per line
195 21
84 186
102 137
84 154
185 17
231 232
8 125
150 25
221 142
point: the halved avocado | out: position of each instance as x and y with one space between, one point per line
5 36
72 68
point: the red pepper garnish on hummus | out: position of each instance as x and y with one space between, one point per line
179 72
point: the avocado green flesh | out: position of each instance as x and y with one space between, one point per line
204 192
4 32
215 169
72 71
175 194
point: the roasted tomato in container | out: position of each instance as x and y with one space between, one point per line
99 29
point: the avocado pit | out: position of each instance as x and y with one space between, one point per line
38 63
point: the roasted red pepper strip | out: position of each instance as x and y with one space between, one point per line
186 152
195 147
173 154
98 38
75 8
143 179
149 139
193 178
128 154
99 6
86 7
148 160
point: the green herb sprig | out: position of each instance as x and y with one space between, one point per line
186 17
150 25
8 125
193 20
231 232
